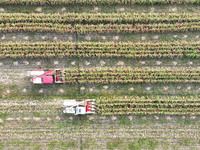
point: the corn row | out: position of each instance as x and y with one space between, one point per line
99 28
100 18
150 111
148 105
109 49
42 49
132 75
139 50
147 99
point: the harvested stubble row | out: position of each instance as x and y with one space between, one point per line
28 107
132 75
92 2
148 105
88 23
94 49
104 132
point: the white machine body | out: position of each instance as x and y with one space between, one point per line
79 107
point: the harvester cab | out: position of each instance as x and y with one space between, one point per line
43 76
79 107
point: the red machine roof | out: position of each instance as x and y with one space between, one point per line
47 79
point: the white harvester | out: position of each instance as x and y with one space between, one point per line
79 107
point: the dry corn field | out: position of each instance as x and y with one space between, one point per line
140 60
